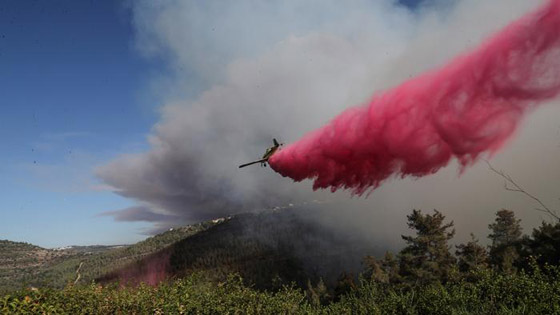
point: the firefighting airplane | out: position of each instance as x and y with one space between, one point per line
267 154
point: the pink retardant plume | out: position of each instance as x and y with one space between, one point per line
467 108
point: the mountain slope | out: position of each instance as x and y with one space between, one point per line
19 259
267 249
23 264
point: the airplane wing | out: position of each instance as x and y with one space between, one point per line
251 163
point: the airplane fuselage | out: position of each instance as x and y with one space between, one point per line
267 154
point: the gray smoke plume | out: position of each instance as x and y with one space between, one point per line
243 72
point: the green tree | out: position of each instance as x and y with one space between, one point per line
505 235
544 244
391 267
472 256
374 270
426 258
384 270
506 229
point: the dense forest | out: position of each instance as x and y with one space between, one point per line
515 274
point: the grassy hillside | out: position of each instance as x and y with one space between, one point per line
20 259
23 265
97 264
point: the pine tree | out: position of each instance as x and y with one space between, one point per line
426 258
544 244
472 256
391 267
506 241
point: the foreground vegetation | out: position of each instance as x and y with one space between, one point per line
516 274
537 292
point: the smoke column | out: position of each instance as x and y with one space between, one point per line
469 107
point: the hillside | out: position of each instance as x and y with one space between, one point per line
18 259
267 249
23 264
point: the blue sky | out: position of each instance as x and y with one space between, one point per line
72 97
75 94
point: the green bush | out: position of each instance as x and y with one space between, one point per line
536 292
